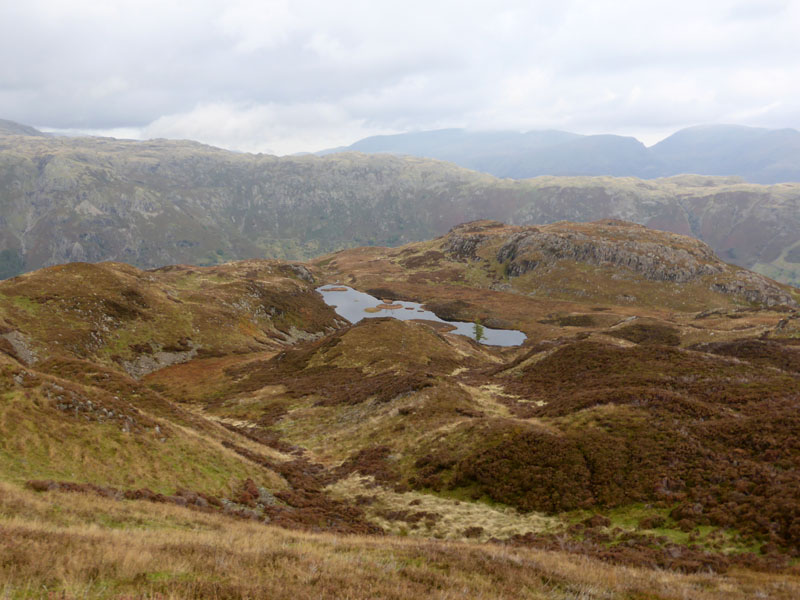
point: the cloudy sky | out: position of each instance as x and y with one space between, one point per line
287 76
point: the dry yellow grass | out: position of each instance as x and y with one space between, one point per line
452 517
486 397
69 546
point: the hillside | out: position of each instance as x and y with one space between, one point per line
75 339
12 128
161 202
607 261
755 154
649 420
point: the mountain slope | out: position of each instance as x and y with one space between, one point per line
755 154
75 339
12 128
118 316
758 155
161 202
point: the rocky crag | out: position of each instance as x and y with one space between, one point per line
630 248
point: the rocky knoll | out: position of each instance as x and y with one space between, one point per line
656 261
650 254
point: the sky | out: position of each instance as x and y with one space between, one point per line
280 76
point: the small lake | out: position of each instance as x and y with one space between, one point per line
355 306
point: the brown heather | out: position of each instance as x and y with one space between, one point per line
219 432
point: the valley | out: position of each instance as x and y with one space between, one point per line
399 301
239 436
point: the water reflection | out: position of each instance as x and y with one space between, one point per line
355 306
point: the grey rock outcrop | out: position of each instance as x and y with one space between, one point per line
756 289
147 363
463 241
628 249
655 261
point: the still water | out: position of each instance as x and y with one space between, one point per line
351 305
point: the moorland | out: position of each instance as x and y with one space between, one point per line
221 431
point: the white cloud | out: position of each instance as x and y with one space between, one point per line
259 24
269 129
305 74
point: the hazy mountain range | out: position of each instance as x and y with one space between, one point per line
757 155
163 202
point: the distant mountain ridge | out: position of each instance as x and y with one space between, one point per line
757 155
160 202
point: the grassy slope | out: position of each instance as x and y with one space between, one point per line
421 433
89 547
75 414
469 433
464 423
54 428
112 313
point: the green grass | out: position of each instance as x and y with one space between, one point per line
628 517
38 442
23 303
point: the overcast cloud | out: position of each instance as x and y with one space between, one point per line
287 76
